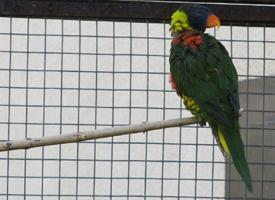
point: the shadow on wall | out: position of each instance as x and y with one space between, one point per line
257 97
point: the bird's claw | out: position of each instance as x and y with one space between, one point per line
241 111
202 122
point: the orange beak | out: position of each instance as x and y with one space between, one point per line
213 21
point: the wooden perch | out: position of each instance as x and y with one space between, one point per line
91 135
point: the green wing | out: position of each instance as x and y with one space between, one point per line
207 75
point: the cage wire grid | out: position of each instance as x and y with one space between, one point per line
60 76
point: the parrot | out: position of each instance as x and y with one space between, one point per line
205 78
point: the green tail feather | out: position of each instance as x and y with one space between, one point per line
242 167
236 148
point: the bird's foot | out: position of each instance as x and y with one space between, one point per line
241 111
202 122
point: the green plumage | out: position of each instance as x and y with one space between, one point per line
205 73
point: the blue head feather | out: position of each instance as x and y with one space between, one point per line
197 16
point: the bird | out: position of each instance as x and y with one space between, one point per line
204 76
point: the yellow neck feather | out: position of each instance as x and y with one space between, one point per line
179 22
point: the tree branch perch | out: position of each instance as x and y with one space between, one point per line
96 134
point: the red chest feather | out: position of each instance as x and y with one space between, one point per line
173 84
189 40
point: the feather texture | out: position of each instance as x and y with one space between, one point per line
206 79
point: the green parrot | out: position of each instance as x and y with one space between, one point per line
204 76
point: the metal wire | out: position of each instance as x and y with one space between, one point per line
73 75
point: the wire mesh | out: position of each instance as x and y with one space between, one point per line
60 76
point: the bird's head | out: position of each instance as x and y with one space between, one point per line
193 17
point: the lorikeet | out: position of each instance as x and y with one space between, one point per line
204 76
